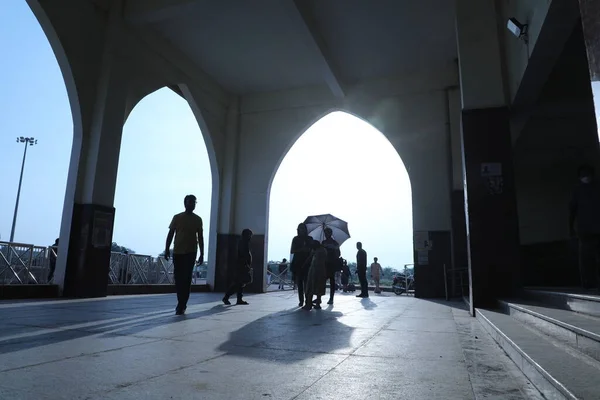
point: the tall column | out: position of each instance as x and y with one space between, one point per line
460 259
590 18
227 238
490 201
94 163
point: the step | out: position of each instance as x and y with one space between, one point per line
585 302
558 371
579 331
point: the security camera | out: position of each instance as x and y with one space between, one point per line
516 28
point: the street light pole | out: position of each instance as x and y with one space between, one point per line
29 141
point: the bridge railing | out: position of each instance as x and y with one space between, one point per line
22 263
139 269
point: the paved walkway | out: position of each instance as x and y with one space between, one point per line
385 347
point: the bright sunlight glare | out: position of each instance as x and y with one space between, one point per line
344 166
163 158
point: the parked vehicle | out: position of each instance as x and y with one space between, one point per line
403 283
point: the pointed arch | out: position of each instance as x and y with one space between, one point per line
182 182
399 170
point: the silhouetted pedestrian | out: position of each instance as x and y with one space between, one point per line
376 274
300 259
584 221
361 270
186 227
242 275
316 278
283 267
345 275
52 256
333 260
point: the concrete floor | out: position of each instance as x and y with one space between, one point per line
384 347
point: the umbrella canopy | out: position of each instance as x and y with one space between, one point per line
317 223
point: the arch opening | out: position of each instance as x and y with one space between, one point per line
39 100
163 158
344 166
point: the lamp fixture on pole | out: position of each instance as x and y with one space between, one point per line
28 141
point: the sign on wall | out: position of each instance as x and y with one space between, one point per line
492 175
102 229
422 241
491 169
423 257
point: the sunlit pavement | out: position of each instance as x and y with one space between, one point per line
134 347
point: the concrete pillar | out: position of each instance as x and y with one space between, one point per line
89 213
237 209
490 201
590 18
460 259
227 238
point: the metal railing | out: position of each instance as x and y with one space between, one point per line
281 279
22 263
139 269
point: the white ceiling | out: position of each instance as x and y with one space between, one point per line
265 45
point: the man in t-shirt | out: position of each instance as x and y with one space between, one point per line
361 270
186 227
376 273
584 222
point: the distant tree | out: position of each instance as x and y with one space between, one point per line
162 253
116 248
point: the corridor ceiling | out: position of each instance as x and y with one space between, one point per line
252 46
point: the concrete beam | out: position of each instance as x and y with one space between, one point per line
562 17
165 49
148 11
303 20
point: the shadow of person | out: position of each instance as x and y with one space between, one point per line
367 303
291 337
144 325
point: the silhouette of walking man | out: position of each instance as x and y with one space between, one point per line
243 272
186 227
300 260
361 270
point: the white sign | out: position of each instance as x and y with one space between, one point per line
491 169
422 241
423 257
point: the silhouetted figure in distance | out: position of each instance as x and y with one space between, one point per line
376 274
243 272
283 266
333 260
52 257
361 270
300 259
